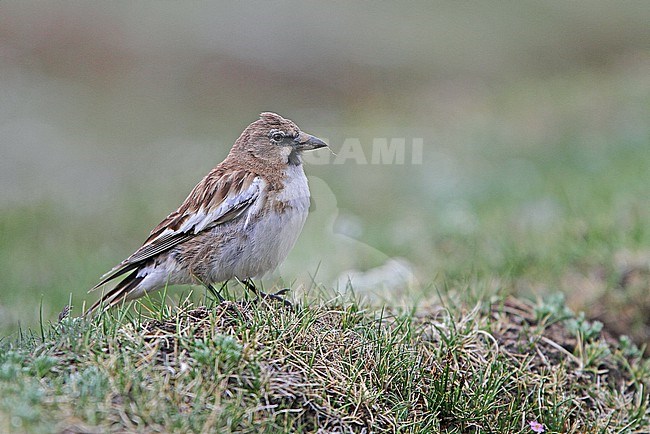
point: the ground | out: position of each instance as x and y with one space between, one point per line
496 365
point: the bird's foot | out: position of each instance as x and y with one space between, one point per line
216 292
277 296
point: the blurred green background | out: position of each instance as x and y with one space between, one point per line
533 118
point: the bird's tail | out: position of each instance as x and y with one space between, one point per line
118 294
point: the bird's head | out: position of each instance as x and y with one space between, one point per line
275 139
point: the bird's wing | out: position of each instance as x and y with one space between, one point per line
217 199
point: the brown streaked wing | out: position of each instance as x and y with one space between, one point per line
214 201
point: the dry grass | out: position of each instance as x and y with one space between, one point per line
258 367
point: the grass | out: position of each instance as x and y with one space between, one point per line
454 365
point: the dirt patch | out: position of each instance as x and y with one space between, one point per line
544 346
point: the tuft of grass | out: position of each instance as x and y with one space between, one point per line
493 365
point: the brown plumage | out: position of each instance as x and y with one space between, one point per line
240 221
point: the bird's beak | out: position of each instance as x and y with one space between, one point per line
306 142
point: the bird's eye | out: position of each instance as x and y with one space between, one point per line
277 136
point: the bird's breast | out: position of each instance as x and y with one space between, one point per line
295 191
278 228
290 205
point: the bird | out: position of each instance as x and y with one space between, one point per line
239 222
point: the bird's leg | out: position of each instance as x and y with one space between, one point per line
260 294
216 293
